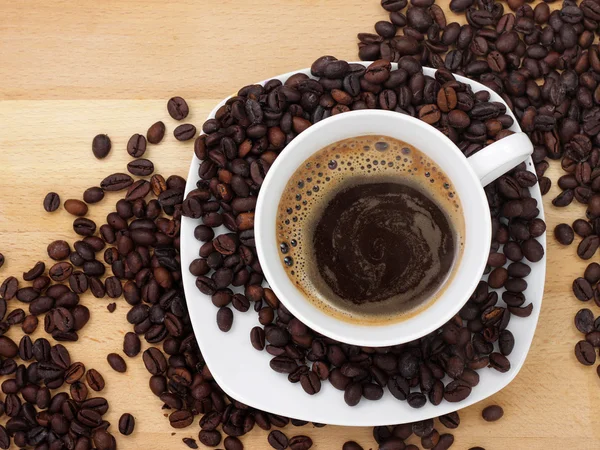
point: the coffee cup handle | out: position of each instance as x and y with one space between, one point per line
498 158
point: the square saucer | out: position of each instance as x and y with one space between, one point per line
244 373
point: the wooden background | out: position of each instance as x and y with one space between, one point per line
70 70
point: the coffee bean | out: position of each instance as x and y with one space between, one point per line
76 207
93 195
310 383
392 6
30 324
351 445
233 443
450 420
445 442
185 132
210 438
126 424
116 182
101 146
564 234
131 344
178 108
278 440
582 228
154 361
34 272
592 273
94 380
225 319
191 443
492 413
584 320
103 440
141 167
136 146
156 133
585 353
532 250
588 246
299 443
116 362
51 202
498 277
8 349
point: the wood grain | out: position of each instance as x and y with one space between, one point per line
72 70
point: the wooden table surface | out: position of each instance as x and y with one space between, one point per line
70 70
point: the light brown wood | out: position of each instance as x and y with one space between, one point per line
71 70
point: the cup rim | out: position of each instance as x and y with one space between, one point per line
272 268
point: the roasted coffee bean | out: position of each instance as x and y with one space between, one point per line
584 320
588 246
34 272
592 273
225 319
209 438
51 202
76 207
136 146
94 380
184 132
74 373
233 443
178 108
191 443
155 133
278 440
93 195
154 361
116 362
492 413
298 443
101 146
257 338
126 424
141 167
532 250
564 234
351 445
131 344
585 353
450 420
116 182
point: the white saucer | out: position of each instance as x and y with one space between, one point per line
244 372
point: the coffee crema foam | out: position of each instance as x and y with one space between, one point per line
393 174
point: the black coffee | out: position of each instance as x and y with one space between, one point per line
370 229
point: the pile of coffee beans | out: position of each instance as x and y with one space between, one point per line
237 149
543 64
40 417
546 65
140 245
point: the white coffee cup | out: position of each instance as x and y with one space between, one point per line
468 177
